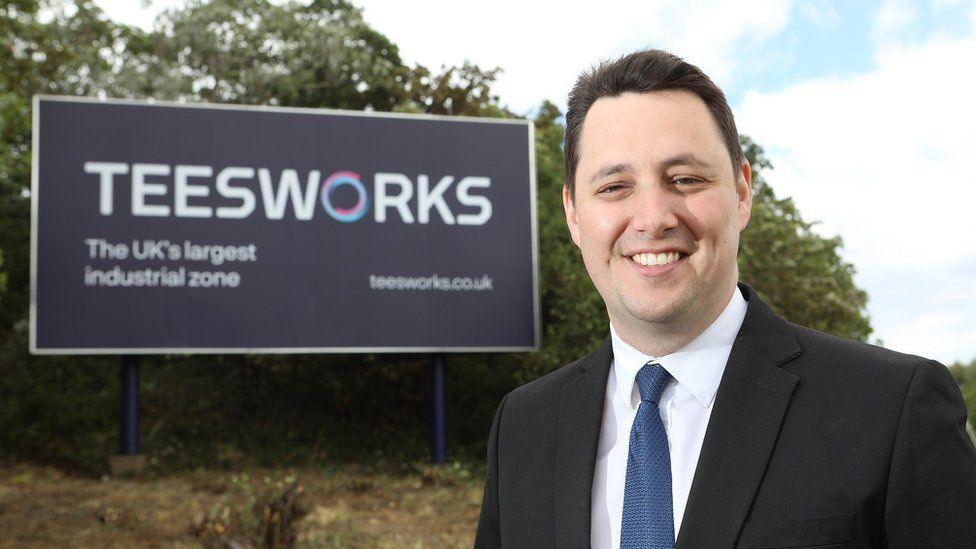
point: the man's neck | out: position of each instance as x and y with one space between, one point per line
658 339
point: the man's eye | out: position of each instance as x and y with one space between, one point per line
684 181
613 187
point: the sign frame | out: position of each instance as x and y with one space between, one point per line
34 190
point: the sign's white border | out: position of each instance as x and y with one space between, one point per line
35 162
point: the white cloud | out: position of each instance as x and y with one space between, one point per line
888 152
947 296
893 16
885 159
544 46
947 336
820 12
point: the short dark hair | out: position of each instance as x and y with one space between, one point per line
642 72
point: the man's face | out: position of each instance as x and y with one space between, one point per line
658 210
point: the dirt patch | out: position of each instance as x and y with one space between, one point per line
345 506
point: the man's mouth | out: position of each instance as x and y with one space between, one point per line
652 260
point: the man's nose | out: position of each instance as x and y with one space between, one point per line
654 210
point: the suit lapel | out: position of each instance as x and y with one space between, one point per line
751 402
577 437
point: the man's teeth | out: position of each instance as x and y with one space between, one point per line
648 260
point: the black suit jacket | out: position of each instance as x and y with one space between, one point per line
813 441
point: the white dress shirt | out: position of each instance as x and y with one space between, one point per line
685 406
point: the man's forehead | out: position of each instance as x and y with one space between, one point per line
658 104
670 125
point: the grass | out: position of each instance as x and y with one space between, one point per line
338 506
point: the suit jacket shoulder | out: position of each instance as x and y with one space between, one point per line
550 385
827 349
843 370
870 449
541 455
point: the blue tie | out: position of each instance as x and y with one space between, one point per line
648 521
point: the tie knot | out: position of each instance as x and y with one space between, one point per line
651 380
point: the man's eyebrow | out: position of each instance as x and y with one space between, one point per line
685 159
611 169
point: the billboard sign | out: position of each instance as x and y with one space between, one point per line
183 228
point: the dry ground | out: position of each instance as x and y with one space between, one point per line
345 506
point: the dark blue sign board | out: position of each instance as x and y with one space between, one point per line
191 228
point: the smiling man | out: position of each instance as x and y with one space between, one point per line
657 214
705 420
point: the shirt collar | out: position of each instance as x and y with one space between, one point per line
698 366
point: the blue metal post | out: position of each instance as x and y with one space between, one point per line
130 405
438 410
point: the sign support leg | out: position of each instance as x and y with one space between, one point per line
129 462
130 405
438 410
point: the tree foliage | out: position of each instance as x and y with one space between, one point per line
965 376
798 272
317 54
219 410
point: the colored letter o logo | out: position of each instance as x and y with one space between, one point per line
336 180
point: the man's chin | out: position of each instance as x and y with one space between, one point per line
669 310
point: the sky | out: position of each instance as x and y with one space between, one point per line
866 109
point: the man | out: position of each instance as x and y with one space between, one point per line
706 421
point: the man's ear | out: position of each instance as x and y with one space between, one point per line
572 220
743 191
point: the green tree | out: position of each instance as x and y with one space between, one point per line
298 54
798 272
255 52
965 376
57 410
574 319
